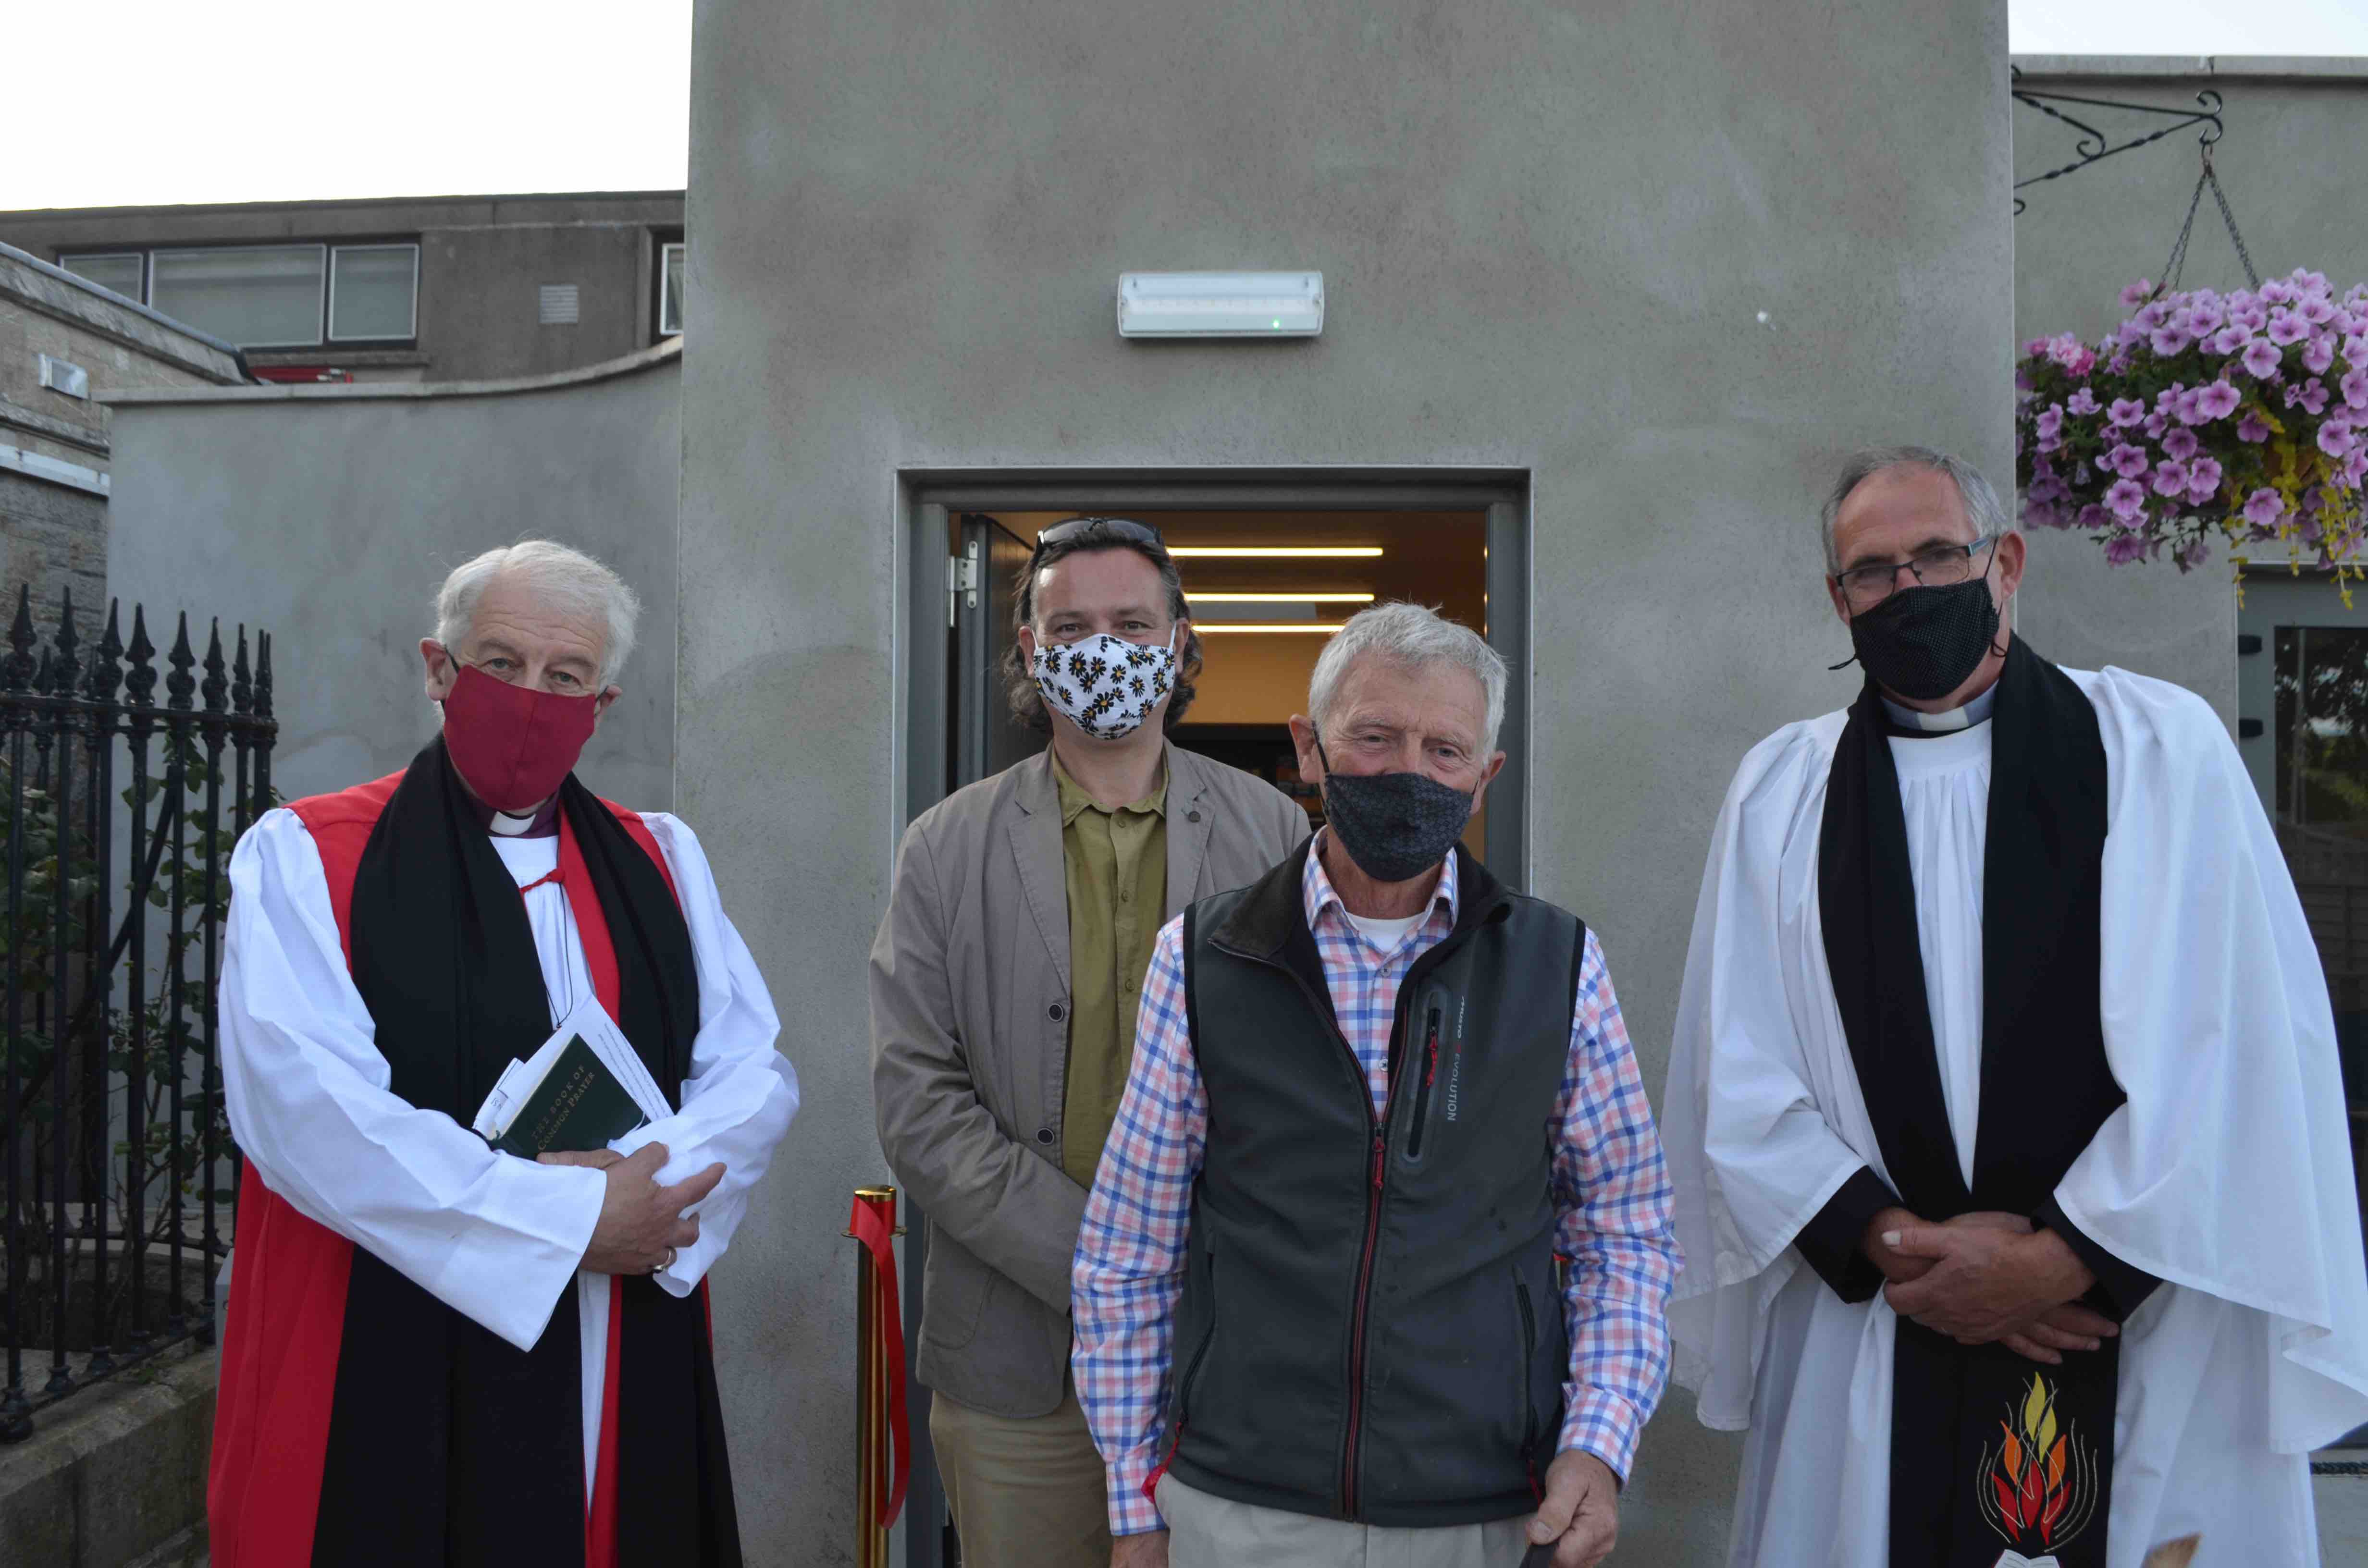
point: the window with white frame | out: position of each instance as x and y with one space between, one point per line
125 272
282 296
672 261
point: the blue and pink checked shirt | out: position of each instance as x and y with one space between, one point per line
1610 1186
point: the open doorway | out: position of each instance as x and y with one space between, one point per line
1267 589
1271 563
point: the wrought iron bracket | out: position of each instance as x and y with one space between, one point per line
2093 146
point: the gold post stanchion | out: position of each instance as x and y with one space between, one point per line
879 1376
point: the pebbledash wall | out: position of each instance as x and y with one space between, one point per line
329 514
2284 163
1669 262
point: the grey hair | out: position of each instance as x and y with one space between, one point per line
1982 504
565 578
1411 637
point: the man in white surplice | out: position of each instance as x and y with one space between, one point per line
423 1362
2207 1223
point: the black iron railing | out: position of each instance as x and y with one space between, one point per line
118 1180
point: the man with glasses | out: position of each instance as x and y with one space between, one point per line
1005 982
2002 1017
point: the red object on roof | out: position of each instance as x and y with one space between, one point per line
304 374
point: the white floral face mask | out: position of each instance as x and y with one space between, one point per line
1106 684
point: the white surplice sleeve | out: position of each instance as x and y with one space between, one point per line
2229 1169
493 1236
741 1093
1753 1152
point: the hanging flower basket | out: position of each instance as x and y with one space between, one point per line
2242 415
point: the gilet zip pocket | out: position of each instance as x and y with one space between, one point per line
1529 1365
1200 1354
1423 1087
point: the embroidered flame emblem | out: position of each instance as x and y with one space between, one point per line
2038 1486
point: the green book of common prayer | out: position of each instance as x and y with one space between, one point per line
578 1106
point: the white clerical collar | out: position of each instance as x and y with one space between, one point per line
1910 721
505 825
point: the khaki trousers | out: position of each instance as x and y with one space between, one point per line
1213 1532
1025 1493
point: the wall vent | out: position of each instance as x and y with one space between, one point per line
559 305
66 377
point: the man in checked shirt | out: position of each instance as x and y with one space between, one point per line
1319 1314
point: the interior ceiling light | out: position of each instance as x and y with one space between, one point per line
1278 552
1324 627
1227 598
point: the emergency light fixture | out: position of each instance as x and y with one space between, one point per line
1220 304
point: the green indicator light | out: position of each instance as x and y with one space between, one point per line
1278 325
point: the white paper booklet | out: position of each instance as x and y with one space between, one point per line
590 1023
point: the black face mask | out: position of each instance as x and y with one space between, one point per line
1923 644
1395 825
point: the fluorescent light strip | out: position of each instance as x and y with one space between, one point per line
1281 598
1278 552
1207 627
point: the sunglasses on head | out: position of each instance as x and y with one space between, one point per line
1080 528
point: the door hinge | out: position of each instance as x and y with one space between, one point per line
963 575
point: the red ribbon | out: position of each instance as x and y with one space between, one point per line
873 1225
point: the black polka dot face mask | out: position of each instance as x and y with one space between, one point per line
1105 685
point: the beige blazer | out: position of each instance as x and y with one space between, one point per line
970 990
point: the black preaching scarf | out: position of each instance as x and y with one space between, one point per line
1989 1451
447 1444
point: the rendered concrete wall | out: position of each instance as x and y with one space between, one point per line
330 518
2285 162
1672 260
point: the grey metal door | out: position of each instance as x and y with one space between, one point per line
986 739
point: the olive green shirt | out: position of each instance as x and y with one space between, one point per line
1117 869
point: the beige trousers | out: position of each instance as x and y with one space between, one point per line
1025 1493
1211 1532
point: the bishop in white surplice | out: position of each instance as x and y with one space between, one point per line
440 1355
307 1089
2224 1177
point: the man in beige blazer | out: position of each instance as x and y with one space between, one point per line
1003 985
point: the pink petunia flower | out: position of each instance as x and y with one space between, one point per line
2311 395
2217 401
2355 389
2124 547
2264 506
2252 428
2083 403
2335 440
2092 516
2250 315
2319 354
2203 480
2260 360
2156 425
2229 339
2317 310
2170 478
2136 292
2277 292
2204 317
2287 328
2169 340
2126 498
2125 412
2127 460
2180 444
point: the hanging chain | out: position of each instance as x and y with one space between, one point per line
2177 262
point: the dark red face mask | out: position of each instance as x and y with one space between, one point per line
514 744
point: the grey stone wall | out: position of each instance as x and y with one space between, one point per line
1671 261
2288 162
329 514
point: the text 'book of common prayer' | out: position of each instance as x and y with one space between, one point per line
583 1089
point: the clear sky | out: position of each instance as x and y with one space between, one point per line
247 100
